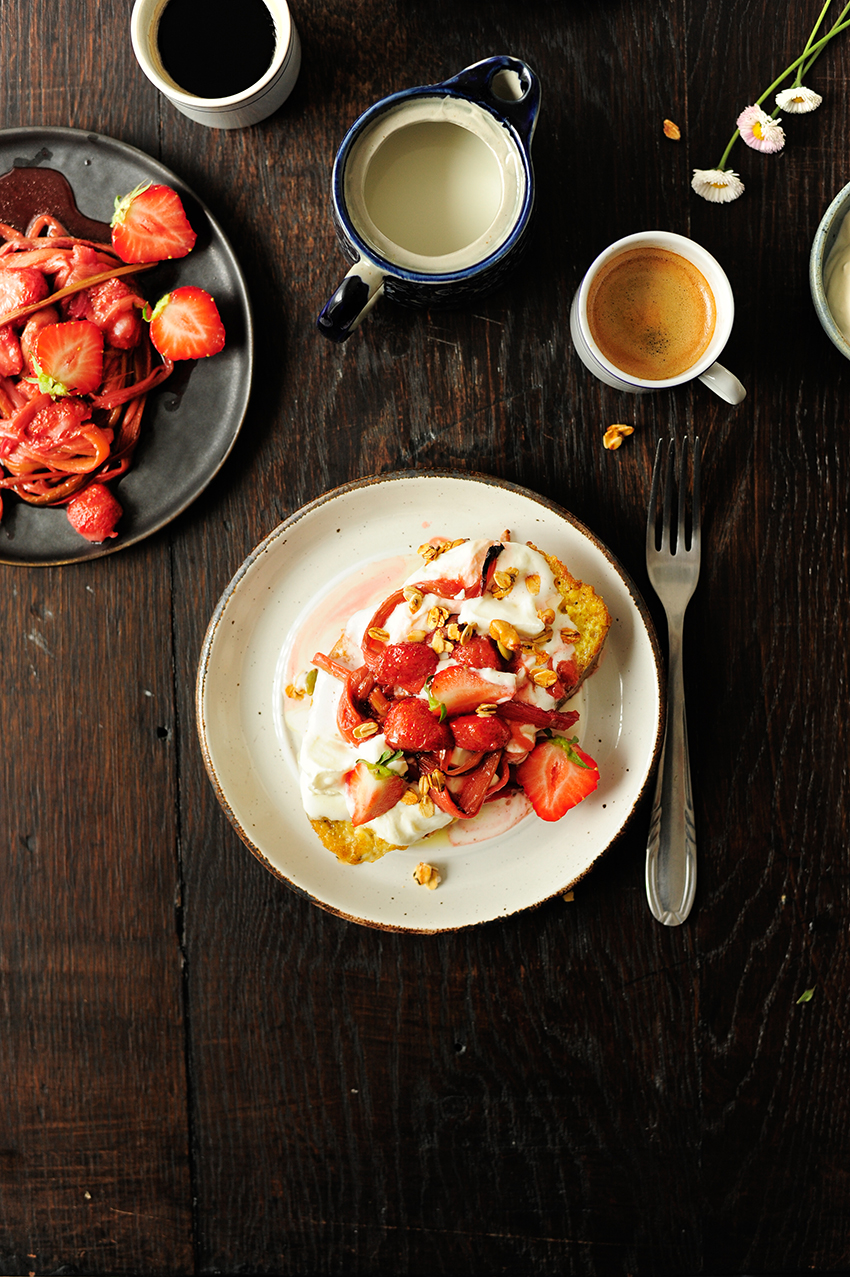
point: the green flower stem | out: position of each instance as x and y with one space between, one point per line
813 49
798 78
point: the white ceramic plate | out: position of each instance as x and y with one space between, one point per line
289 585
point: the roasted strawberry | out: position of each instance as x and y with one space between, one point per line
479 653
556 776
94 513
410 724
185 324
21 287
115 307
480 732
405 665
68 358
372 789
11 358
150 225
461 690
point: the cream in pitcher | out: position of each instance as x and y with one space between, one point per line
433 192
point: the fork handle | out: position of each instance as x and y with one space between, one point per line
671 851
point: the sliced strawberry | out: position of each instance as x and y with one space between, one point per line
150 225
411 724
480 732
462 690
185 324
405 665
94 513
557 775
68 358
371 789
480 653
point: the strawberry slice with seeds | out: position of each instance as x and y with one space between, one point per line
462 690
372 788
556 776
185 324
68 358
150 225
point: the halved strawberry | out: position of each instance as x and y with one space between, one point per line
68 358
185 324
372 789
556 776
405 665
411 724
94 513
480 732
150 225
462 690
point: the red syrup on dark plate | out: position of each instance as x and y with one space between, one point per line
213 49
27 192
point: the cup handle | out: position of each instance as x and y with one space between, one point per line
476 82
723 383
351 302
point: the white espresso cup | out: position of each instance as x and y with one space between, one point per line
236 110
705 367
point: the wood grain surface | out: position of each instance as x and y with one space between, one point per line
202 1071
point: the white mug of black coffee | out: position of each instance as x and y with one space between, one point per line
221 73
653 311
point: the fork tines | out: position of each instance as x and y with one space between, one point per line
663 532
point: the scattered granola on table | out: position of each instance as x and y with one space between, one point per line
615 435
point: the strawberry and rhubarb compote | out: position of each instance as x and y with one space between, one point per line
450 698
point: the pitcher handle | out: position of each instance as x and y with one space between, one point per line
519 108
351 302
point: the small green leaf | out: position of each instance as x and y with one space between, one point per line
567 745
382 768
310 681
433 704
806 996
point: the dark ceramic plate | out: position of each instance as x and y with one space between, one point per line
192 420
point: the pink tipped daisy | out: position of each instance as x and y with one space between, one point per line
798 100
759 131
720 186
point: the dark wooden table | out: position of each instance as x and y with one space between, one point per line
204 1072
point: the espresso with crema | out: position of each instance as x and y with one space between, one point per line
651 312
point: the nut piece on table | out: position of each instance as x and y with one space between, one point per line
672 131
615 435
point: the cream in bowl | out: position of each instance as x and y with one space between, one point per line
829 271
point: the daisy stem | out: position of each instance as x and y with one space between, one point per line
803 70
813 49
798 79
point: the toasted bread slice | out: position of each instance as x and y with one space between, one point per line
351 843
587 612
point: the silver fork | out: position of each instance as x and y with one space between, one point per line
673 566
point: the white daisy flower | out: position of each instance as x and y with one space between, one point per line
759 131
798 100
717 185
